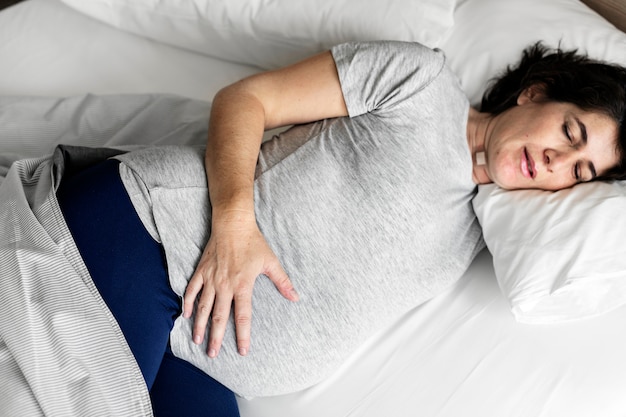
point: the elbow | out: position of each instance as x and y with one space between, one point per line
259 93
236 92
241 98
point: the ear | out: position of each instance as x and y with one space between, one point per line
532 94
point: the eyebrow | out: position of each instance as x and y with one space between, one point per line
583 138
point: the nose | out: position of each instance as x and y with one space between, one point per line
557 160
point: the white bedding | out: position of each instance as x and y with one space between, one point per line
460 354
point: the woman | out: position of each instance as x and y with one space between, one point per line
356 210
544 125
367 215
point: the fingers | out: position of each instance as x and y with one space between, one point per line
243 322
217 284
219 320
203 309
282 282
191 293
216 308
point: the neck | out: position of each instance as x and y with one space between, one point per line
477 125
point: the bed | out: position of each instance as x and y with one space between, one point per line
461 353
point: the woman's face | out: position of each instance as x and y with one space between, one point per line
549 145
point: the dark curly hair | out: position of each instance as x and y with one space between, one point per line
566 76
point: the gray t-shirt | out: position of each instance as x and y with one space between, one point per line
370 215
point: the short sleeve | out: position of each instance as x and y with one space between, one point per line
379 75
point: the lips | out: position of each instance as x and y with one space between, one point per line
528 165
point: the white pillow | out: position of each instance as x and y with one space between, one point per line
488 35
273 33
557 256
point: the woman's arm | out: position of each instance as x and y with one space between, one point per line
237 252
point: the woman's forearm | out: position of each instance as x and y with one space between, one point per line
236 129
304 92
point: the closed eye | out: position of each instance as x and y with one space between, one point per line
570 138
568 133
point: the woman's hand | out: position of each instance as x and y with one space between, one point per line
235 255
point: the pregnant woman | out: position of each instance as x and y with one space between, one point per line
266 265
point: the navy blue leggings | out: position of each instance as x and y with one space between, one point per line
128 268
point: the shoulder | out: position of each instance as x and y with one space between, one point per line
388 53
380 74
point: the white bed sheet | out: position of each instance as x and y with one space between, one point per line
461 354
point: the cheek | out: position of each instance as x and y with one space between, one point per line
503 171
558 184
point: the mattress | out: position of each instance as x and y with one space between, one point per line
462 353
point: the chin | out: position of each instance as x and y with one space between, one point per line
506 186
505 179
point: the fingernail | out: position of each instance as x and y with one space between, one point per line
197 340
294 295
243 351
212 353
